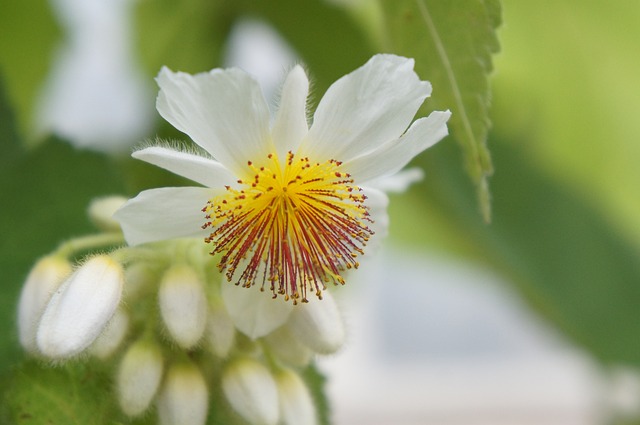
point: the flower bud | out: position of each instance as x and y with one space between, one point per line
253 312
45 277
80 309
286 347
251 391
112 335
318 324
296 403
220 332
140 281
101 212
183 305
139 377
184 399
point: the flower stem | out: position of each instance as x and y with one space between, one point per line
84 243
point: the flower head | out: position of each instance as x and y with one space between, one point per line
285 206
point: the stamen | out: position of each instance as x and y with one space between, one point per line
294 226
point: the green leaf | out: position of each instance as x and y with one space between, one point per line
73 394
452 43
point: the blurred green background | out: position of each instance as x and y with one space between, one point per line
565 222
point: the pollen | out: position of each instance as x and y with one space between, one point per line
292 227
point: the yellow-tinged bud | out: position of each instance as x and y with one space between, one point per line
101 212
45 277
139 377
183 305
296 403
287 348
112 335
81 308
251 390
221 333
184 399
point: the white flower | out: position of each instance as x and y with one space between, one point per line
81 308
287 207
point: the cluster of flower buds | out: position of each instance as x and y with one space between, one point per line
169 318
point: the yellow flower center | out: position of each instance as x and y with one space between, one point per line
297 226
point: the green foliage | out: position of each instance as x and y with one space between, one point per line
73 394
452 43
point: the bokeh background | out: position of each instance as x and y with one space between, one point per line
531 319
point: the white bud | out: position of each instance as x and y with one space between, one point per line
139 377
183 305
318 324
112 335
220 332
296 403
101 212
184 399
45 277
80 309
284 345
254 312
251 391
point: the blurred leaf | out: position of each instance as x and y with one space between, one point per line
29 36
74 394
316 382
564 256
185 36
452 42
325 36
44 196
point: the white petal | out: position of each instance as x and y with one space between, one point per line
165 213
395 154
223 111
377 201
398 182
318 324
201 170
368 107
290 125
254 312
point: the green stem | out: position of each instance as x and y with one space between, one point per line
84 243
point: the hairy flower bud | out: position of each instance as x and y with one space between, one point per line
251 391
296 404
139 377
183 305
318 324
101 211
43 280
80 309
184 399
112 335
220 331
